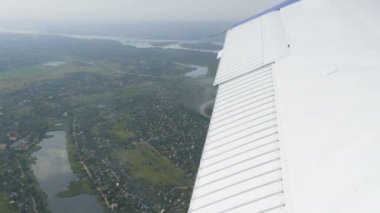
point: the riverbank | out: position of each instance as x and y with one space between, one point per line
75 188
24 162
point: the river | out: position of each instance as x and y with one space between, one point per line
146 43
135 42
53 172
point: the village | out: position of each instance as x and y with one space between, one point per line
134 139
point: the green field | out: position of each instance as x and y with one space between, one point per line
121 132
17 78
4 203
145 163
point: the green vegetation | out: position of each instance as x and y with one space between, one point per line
144 162
17 78
140 89
120 131
5 205
76 188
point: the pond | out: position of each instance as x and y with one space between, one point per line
55 63
198 72
53 172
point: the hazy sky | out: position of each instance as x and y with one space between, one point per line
133 9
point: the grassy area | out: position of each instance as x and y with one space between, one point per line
110 96
145 163
121 132
140 89
5 206
16 78
100 97
76 188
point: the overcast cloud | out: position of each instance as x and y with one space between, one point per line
132 9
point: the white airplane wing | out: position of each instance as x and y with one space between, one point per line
296 122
